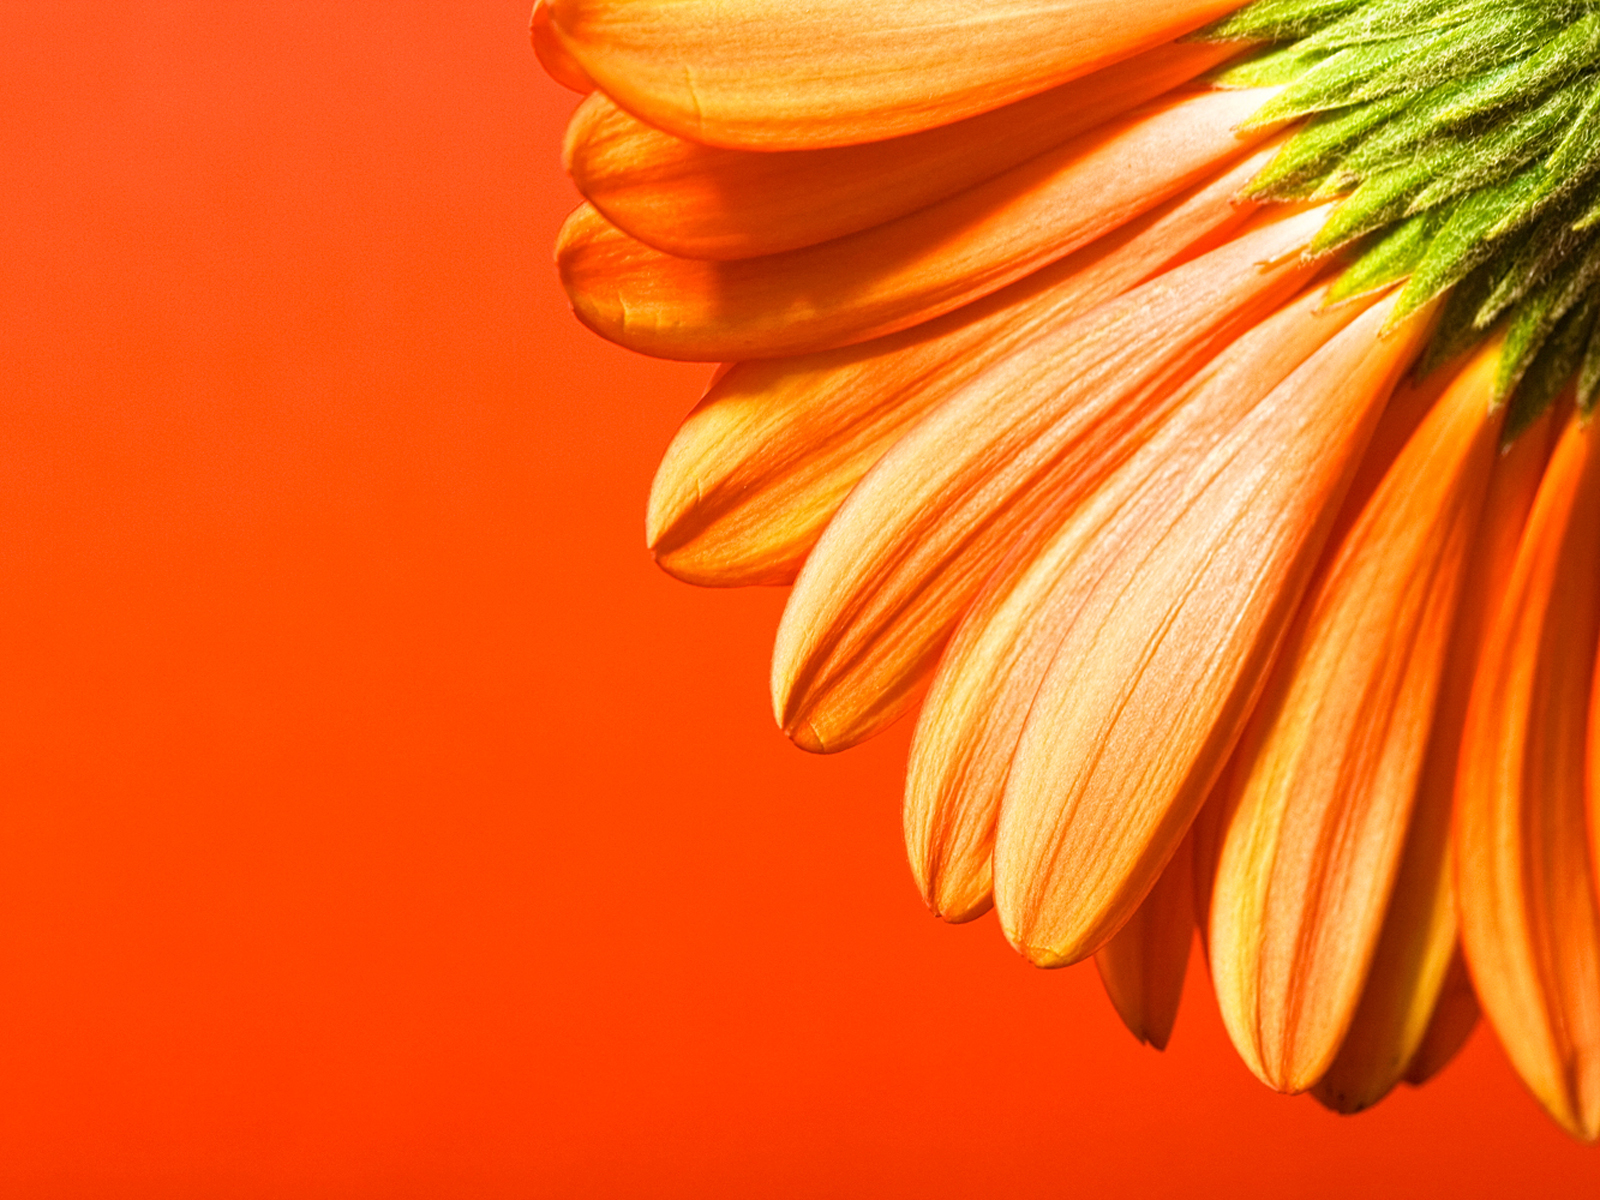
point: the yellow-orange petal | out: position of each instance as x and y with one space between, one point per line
552 55
1196 555
781 76
988 674
1408 1008
768 455
698 201
905 271
1529 926
909 549
1455 1016
1143 966
1331 758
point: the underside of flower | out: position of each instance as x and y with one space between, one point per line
1464 138
1184 413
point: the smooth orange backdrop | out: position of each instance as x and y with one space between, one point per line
377 820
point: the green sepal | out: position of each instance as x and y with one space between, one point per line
1469 235
1271 66
1537 316
1274 20
1307 158
1388 260
1455 330
1375 203
1552 367
1573 49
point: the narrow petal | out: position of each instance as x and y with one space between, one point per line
1529 925
988 675
1401 416
1195 556
1455 1016
780 76
1143 966
552 55
700 201
1407 1000
1330 764
768 455
905 271
907 552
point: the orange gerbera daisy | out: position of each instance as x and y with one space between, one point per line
1186 411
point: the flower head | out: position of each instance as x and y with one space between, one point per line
1184 411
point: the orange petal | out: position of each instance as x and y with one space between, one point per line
988 675
552 55
707 202
1407 1000
908 551
1143 966
1194 558
780 76
768 455
908 270
1454 1018
1333 754
1524 883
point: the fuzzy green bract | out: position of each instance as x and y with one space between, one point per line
1463 140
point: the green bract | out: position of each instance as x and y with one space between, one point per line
1464 139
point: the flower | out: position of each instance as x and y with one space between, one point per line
1185 412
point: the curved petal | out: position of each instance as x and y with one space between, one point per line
552 55
1195 557
1331 760
1529 926
1405 1014
700 201
1143 966
769 454
772 75
906 271
989 673
907 552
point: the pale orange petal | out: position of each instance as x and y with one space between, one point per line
1407 1004
1143 966
700 201
552 55
1195 557
987 676
1332 756
1529 925
768 455
773 75
908 270
908 551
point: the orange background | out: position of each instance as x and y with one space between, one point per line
378 821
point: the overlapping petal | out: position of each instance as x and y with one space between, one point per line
905 271
699 201
766 458
1143 966
1524 879
1196 554
1404 1021
1330 764
988 675
908 551
782 76
552 55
